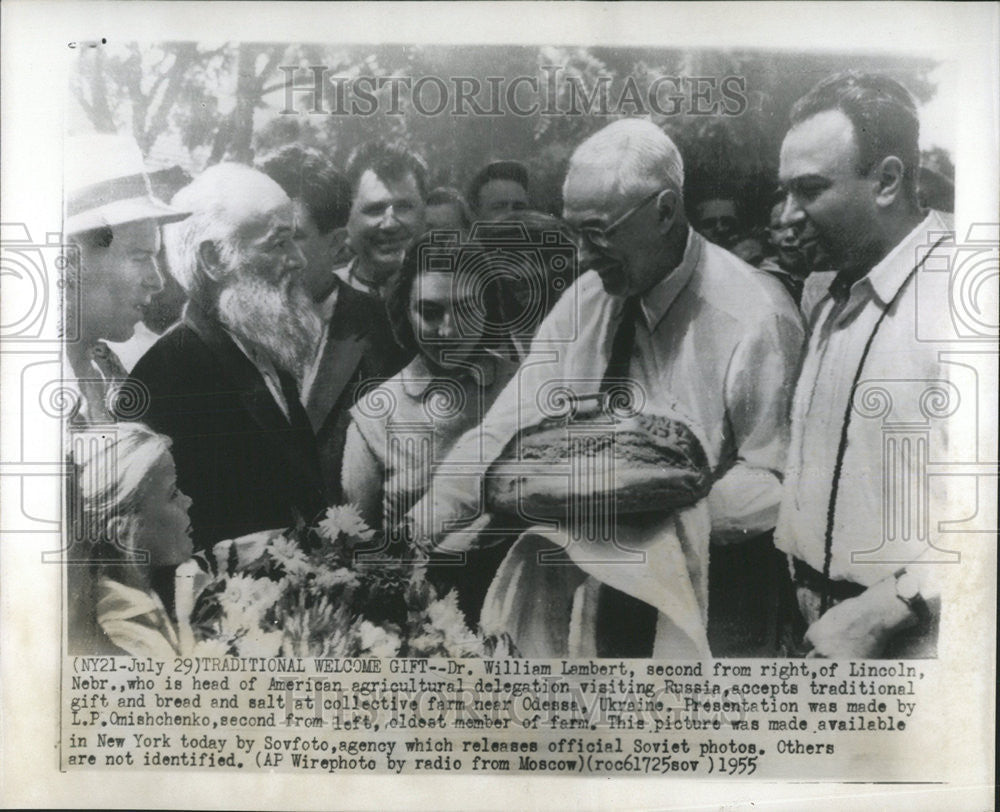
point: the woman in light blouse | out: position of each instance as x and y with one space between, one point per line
443 305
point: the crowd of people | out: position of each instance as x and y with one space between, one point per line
357 337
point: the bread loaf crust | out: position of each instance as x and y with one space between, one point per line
571 466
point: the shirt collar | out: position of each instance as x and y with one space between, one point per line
657 300
417 376
117 601
887 277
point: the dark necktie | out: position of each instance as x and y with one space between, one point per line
626 627
303 441
623 343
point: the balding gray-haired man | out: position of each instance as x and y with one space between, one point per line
707 335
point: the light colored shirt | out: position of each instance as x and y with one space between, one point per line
896 425
717 340
90 396
136 621
348 274
402 429
325 312
129 352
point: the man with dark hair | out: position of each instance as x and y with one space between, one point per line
498 188
356 344
321 196
447 209
717 219
389 187
849 168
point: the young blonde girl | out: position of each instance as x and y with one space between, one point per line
131 523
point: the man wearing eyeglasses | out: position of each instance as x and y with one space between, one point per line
711 336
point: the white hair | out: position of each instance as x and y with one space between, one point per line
640 155
210 198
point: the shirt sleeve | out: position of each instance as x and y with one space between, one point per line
454 501
759 384
363 476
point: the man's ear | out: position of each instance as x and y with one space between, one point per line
889 179
667 206
211 262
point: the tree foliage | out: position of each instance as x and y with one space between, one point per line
197 104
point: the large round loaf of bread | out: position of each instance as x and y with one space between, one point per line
566 467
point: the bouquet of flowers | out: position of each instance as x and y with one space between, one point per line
332 590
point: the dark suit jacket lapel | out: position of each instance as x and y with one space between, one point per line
239 370
345 347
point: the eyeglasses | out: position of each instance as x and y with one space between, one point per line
601 237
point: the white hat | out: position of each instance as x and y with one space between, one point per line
106 185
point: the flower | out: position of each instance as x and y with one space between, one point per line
251 594
335 579
446 618
345 519
282 594
287 553
378 641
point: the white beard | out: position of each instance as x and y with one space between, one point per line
277 319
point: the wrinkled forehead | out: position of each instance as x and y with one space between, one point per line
591 192
258 218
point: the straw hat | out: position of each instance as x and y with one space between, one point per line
106 185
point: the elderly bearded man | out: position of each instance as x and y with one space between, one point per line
223 383
849 165
711 336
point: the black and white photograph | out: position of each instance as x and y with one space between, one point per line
414 400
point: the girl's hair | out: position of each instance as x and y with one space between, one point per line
431 254
109 475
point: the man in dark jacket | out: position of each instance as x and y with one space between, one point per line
224 383
356 345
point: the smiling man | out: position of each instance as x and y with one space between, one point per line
223 383
683 322
356 344
387 215
849 165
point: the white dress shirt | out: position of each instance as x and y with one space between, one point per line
718 340
896 424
